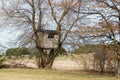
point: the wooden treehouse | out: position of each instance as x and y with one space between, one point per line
49 39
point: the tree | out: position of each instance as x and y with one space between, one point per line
114 18
33 15
110 22
108 27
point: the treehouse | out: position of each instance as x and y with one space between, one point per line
49 39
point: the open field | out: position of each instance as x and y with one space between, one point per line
39 74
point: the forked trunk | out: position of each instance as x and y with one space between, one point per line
46 60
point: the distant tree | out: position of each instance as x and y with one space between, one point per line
108 27
112 19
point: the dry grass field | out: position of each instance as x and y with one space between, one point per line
64 68
40 74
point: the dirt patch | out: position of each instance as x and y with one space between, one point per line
66 65
75 62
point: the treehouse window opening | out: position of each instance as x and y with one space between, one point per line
50 35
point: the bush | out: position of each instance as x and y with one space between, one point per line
22 51
62 51
85 49
17 51
100 58
2 60
105 58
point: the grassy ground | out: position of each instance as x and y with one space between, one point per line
37 74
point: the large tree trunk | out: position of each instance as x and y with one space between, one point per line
46 62
46 59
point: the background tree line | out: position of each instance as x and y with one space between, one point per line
32 52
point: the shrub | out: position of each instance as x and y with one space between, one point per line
17 52
85 49
100 58
2 60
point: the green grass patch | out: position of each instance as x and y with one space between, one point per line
38 74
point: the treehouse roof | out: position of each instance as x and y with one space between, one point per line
50 31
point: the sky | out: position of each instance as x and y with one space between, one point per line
6 37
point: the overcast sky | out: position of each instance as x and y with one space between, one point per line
6 38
